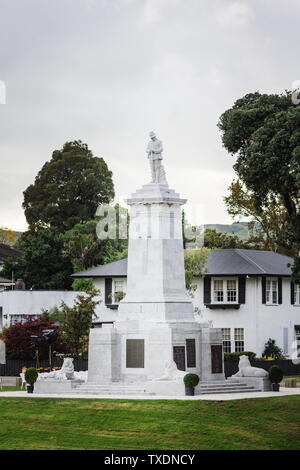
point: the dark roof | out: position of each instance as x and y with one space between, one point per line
115 269
4 281
248 262
220 262
7 251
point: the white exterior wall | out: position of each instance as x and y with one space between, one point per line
260 321
18 302
106 314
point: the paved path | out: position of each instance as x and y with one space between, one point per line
214 397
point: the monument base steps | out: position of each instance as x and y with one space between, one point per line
120 388
224 387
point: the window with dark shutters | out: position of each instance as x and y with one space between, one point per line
292 292
263 289
280 290
207 290
108 290
242 290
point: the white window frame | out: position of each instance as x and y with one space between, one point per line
225 290
296 294
270 292
114 290
226 335
239 337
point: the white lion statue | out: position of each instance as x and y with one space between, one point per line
65 373
246 370
171 372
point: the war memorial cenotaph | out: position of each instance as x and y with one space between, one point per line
155 327
156 339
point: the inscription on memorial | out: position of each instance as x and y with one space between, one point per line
216 359
135 353
179 356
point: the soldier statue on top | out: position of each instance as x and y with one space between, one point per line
154 151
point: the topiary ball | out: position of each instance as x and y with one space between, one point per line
275 374
191 380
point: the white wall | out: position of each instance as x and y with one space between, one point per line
260 321
18 302
105 314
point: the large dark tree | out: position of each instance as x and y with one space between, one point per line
263 132
68 188
42 264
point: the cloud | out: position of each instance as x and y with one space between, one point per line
154 11
109 71
235 14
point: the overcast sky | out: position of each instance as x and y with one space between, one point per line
109 71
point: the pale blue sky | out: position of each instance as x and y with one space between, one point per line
109 71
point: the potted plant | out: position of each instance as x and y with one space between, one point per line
190 382
275 375
31 375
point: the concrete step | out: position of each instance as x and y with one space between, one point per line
222 387
233 390
225 389
111 393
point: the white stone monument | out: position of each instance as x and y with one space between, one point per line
155 323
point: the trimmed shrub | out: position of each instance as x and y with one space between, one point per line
272 350
234 356
275 374
191 380
31 375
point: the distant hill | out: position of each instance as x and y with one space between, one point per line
240 229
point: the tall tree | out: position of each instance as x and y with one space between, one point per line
42 264
263 132
68 188
268 223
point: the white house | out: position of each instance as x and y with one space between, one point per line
247 293
18 305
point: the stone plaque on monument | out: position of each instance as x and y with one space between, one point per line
179 357
191 352
135 353
216 359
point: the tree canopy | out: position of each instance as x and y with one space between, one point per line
18 342
263 132
68 189
214 240
267 223
195 265
42 264
76 321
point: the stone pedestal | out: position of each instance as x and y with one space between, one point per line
259 383
56 386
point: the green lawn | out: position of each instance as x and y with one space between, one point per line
49 423
6 388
